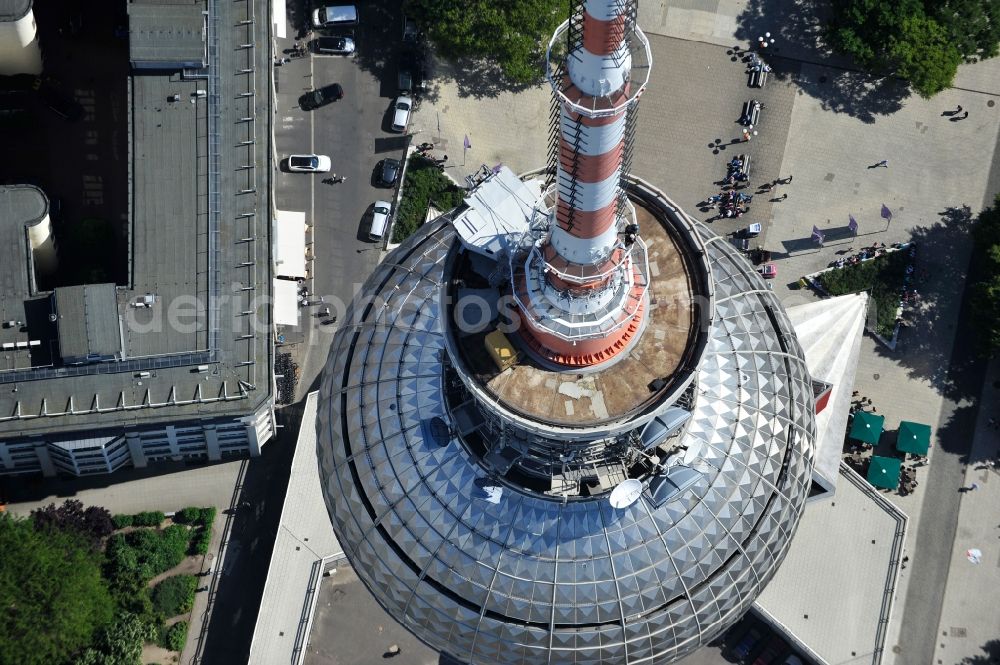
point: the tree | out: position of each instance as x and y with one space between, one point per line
51 593
120 643
922 41
924 55
513 33
973 25
984 278
94 522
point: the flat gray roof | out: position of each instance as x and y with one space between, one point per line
847 548
88 321
21 206
12 10
184 256
168 251
164 33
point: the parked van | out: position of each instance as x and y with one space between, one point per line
380 220
338 16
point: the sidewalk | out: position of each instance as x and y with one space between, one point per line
969 619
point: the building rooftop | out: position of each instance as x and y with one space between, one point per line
12 10
551 394
166 33
848 548
87 322
190 350
490 570
22 207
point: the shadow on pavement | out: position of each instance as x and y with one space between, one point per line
251 541
798 30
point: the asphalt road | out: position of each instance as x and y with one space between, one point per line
352 132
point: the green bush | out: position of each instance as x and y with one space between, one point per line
207 516
174 595
424 183
174 637
148 518
883 277
984 279
188 516
137 557
121 521
201 540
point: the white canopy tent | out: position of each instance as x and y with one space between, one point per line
286 302
290 244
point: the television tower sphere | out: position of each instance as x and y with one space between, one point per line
564 422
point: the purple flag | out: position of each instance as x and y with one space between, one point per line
886 213
852 224
817 235
468 143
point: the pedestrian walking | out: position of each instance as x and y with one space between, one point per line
783 197
959 109
766 187
884 163
973 487
966 115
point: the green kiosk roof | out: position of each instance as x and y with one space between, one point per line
913 438
867 427
884 472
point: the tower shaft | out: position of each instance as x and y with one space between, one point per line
581 294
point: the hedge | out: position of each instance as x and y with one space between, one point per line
137 557
195 516
187 515
147 518
201 540
424 183
174 637
174 595
882 275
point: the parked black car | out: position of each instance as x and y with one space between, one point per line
388 172
321 97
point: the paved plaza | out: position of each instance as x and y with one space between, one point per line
825 125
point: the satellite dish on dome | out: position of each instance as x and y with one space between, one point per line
493 493
625 493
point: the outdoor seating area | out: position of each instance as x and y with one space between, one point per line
887 459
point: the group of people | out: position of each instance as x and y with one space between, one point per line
878 249
731 203
734 171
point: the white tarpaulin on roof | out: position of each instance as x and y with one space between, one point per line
286 302
278 17
290 244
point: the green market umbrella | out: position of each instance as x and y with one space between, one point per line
913 438
867 427
884 472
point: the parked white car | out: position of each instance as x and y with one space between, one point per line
380 220
309 163
401 113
